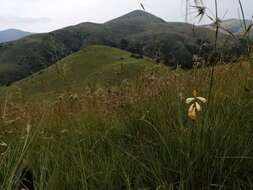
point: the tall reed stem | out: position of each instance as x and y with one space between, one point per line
215 50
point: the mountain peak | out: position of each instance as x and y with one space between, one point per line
13 30
12 35
138 15
138 12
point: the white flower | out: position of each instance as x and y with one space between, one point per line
3 144
192 112
28 128
189 100
195 105
198 107
204 100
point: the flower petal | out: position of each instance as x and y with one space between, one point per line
3 144
189 100
202 99
28 128
192 112
197 106
191 108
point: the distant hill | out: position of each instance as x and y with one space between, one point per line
235 26
138 31
94 65
12 35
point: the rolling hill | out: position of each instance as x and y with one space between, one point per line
137 31
94 65
12 35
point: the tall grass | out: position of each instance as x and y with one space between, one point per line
137 137
134 136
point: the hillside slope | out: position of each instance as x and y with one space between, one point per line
177 42
23 57
93 66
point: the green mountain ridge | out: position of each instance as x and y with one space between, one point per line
177 42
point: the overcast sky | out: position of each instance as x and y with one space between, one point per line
48 15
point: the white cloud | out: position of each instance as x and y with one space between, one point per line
23 20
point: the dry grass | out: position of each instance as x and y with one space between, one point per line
94 133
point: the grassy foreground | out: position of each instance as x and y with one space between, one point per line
134 136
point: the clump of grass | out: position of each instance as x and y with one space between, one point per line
139 136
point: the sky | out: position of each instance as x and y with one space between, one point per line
49 15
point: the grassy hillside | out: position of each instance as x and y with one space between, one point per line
23 57
175 42
137 136
91 66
